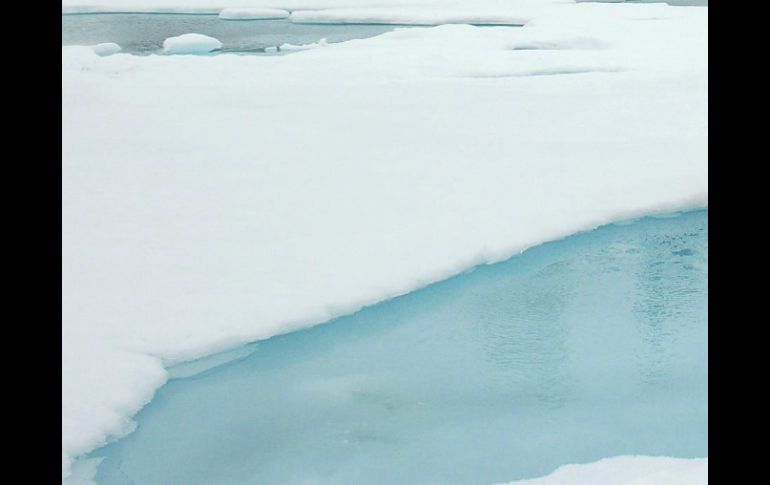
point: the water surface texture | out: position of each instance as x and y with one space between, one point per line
593 346
145 33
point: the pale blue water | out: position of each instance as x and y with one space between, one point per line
589 347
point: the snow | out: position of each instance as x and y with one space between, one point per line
404 8
84 472
397 7
293 47
252 13
212 201
629 470
106 48
405 16
215 6
190 44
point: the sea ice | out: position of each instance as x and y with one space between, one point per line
209 202
293 47
190 44
405 16
253 13
106 48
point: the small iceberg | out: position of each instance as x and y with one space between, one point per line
253 14
191 44
106 49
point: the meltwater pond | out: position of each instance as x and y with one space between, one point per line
593 346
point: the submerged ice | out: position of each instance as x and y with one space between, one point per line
589 347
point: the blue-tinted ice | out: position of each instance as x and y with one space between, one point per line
589 347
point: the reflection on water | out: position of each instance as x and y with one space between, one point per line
576 350
672 280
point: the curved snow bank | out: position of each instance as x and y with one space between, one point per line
211 201
106 48
190 44
253 13
628 470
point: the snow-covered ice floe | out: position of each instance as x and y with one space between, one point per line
628 470
190 44
406 16
212 201
106 48
253 13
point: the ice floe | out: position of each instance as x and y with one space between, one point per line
106 48
190 44
404 16
253 13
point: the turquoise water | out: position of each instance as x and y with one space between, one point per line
593 346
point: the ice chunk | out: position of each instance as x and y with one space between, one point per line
190 44
253 13
106 49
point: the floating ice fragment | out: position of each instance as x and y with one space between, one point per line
106 49
190 44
